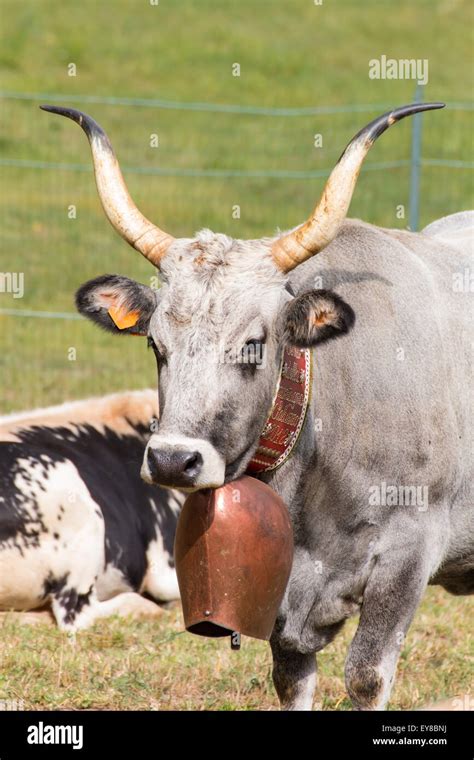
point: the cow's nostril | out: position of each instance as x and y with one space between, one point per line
152 463
193 463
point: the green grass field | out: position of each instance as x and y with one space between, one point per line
292 55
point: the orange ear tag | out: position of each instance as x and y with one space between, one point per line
123 318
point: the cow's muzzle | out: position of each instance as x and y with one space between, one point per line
174 467
188 464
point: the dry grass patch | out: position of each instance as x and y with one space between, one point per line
143 665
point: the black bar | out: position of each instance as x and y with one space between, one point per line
388 734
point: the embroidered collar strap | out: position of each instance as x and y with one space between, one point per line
284 424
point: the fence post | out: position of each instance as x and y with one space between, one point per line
415 163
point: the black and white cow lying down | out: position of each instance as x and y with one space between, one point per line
79 528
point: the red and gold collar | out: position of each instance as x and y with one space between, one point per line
288 413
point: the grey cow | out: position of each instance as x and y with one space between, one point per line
378 485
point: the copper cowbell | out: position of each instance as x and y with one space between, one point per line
233 553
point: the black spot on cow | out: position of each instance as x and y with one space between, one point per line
21 522
73 603
53 586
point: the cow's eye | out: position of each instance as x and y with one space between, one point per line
252 352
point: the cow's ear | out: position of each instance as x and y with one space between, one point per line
315 317
117 304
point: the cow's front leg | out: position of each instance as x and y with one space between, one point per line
294 677
392 594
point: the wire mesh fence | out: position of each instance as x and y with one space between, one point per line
241 170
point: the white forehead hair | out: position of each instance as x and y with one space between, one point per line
212 258
215 283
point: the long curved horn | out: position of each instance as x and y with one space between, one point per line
323 224
119 208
